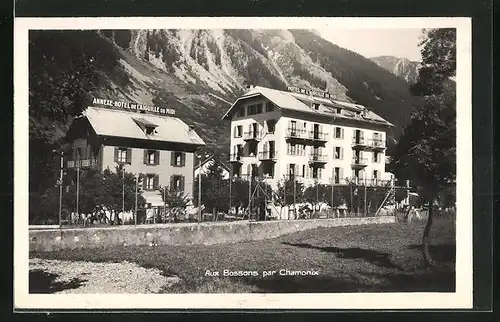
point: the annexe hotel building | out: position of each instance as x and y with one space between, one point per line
277 134
159 146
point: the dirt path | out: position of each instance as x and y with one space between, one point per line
71 277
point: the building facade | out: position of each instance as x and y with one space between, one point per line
159 147
279 134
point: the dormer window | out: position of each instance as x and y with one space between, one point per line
150 130
339 111
316 106
148 127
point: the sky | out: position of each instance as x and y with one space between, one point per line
402 43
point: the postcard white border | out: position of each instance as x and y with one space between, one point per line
462 298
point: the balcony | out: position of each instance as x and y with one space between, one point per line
317 159
318 137
235 158
376 144
296 134
268 156
360 143
359 162
82 164
252 136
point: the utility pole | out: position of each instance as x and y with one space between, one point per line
249 195
366 210
135 210
123 192
61 190
77 188
317 197
199 189
294 198
284 200
333 180
230 189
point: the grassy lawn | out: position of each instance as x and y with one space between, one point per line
376 258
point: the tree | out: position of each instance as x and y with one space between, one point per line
426 152
287 194
176 201
214 189
65 66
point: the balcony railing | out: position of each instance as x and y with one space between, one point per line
268 155
359 162
83 163
252 136
376 143
292 133
317 136
359 142
317 158
235 157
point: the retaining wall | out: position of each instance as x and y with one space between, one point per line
182 234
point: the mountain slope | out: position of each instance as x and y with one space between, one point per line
401 67
200 72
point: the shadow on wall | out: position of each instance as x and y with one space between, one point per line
41 282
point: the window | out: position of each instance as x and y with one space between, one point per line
178 159
291 149
177 183
337 153
151 182
241 112
291 170
303 171
254 109
252 149
269 107
339 111
151 157
336 175
316 106
238 131
337 133
271 125
150 130
123 155
376 156
375 174
317 173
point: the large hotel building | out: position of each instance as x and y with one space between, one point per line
161 147
278 134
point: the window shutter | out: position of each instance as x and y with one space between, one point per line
288 169
145 156
157 157
341 175
129 155
235 134
182 184
172 158
144 182
172 186
156 180
311 172
320 172
341 133
183 159
341 153
116 154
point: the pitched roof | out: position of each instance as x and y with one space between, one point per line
220 162
295 101
119 123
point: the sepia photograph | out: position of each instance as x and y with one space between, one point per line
310 158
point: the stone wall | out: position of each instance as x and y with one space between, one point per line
182 234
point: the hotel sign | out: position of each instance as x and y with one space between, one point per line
309 92
133 106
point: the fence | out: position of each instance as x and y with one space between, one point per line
256 199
